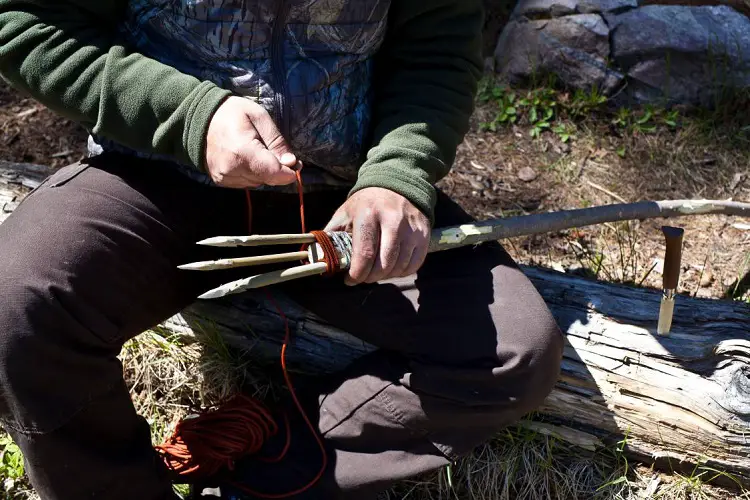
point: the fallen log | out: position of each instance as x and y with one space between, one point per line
676 400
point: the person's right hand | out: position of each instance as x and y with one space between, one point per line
244 148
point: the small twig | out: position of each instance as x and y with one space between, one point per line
28 112
700 276
606 191
647 274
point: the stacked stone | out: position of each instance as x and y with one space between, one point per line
663 54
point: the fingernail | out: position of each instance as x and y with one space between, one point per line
288 159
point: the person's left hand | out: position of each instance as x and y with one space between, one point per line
390 236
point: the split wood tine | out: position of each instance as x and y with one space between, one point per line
258 260
257 240
266 279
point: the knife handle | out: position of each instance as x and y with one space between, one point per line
673 256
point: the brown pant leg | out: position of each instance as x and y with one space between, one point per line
468 347
88 261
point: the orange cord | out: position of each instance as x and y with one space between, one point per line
201 446
330 256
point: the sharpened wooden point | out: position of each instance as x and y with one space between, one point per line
266 279
258 260
257 240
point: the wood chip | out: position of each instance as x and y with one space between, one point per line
736 181
478 166
527 174
476 184
557 266
658 265
707 279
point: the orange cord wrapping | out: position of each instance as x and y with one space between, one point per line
201 446
330 255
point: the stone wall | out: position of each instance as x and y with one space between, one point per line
641 53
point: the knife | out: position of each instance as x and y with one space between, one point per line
671 277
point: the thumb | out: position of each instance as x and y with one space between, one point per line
271 136
265 166
340 220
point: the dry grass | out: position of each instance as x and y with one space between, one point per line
172 376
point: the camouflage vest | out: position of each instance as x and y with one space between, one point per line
308 62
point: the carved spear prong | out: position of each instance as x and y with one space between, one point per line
266 279
257 240
258 260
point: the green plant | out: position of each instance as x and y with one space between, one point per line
11 463
564 132
583 103
645 120
541 109
506 109
535 108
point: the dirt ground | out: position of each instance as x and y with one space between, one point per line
31 133
507 172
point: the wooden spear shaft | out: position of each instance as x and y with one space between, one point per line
523 225
450 237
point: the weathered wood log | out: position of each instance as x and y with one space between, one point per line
16 180
682 398
676 400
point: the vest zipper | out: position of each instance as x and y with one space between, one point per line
278 68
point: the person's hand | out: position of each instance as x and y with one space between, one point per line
390 236
244 148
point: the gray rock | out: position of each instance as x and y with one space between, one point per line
574 48
527 174
667 54
605 6
679 54
546 9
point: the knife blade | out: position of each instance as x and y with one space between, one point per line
671 277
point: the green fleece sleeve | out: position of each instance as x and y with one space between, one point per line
427 74
68 56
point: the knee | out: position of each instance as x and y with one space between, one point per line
526 365
534 367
